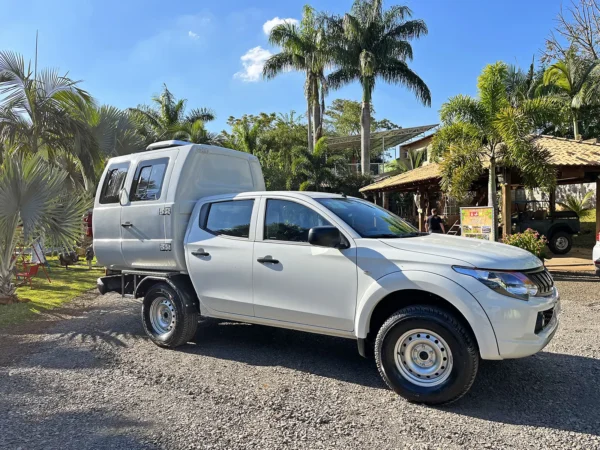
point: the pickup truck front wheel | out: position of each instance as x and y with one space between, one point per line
167 320
426 355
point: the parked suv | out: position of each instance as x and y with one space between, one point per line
428 307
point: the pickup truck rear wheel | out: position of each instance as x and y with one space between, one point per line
560 243
167 320
426 355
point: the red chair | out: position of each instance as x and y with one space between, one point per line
32 270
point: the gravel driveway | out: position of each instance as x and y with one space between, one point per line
88 378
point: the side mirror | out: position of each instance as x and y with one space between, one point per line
326 236
123 197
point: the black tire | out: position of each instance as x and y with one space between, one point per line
461 343
560 249
183 329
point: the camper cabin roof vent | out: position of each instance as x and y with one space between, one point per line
166 144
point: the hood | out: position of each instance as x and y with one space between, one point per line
475 252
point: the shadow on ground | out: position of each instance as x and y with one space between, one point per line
268 346
588 277
550 390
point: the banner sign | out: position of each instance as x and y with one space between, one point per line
476 222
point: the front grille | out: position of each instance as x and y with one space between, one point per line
543 280
543 319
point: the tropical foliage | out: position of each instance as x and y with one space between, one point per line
304 48
43 112
317 167
167 117
370 44
578 205
576 79
33 203
481 133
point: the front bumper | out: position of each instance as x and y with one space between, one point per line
522 328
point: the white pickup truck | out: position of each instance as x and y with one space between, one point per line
191 230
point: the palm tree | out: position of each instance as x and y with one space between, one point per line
318 167
415 159
40 112
576 204
195 132
576 78
370 44
303 48
32 199
245 134
477 133
161 121
114 131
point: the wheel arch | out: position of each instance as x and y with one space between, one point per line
406 288
180 282
559 227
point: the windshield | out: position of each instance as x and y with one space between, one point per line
367 219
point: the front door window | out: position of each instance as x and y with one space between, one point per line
290 221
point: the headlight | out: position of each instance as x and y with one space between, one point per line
512 284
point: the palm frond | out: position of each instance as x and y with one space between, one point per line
398 72
203 114
463 108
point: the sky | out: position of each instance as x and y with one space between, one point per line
212 52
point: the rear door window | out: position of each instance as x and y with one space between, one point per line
148 180
113 183
230 218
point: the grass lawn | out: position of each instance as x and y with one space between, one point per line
65 286
587 235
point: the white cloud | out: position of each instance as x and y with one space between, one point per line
270 24
193 35
253 61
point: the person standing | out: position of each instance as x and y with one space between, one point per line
435 223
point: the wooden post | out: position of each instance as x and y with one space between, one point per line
506 206
597 207
552 199
422 210
385 200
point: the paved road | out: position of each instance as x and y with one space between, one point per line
87 378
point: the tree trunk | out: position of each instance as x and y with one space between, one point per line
310 133
575 126
365 141
317 128
493 198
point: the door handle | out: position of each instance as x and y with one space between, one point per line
127 225
268 260
200 252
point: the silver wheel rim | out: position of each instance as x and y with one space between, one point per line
561 243
162 315
423 358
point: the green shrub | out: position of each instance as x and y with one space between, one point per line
529 240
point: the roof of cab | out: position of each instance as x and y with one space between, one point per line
151 149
